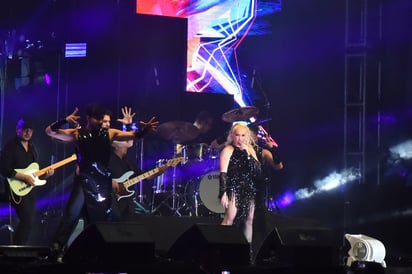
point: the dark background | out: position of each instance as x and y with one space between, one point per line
299 68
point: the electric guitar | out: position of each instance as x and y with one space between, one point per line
125 182
22 188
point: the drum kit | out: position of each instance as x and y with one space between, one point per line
192 187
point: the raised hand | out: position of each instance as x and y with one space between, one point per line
127 116
151 125
72 118
269 141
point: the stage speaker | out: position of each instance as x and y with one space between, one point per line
213 247
108 243
23 253
176 227
299 246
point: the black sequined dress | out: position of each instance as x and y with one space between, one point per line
243 173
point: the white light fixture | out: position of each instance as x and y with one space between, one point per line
75 50
365 249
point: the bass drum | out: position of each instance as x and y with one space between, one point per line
203 195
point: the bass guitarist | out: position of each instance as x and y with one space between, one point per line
124 209
19 153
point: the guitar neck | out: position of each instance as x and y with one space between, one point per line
43 171
149 173
143 176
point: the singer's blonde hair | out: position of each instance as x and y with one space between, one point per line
235 127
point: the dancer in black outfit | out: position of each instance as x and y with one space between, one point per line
93 148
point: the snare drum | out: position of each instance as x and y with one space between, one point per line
204 192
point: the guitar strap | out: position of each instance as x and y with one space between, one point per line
16 200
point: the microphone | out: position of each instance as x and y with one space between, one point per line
244 147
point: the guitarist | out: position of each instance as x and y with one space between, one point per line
125 208
19 153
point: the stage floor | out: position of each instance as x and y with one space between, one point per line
27 266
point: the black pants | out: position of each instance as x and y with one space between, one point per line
25 207
91 195
71 215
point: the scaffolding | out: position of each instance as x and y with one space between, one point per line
362 88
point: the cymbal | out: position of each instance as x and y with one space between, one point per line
179 132
240 114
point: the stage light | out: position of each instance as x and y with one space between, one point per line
75 50
365 249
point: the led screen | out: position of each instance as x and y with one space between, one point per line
215 30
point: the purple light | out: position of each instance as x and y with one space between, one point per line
5 211
47 79
52 201
285 200
40 204
388 119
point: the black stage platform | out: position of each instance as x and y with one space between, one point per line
26 265
162 244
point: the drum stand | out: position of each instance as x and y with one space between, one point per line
178 202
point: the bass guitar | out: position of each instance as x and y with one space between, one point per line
125 182
21 188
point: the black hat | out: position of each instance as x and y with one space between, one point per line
24 124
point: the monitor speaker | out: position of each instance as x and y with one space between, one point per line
104 243
23 253
299 246
212 246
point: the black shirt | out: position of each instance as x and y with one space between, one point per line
120 166
14 156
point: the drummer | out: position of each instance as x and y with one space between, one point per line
197 152
204 123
